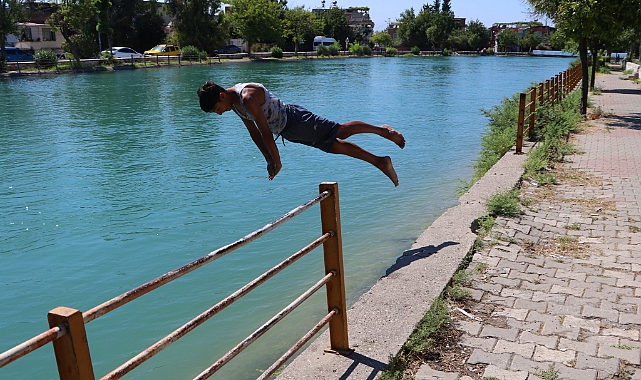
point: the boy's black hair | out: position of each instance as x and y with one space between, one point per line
209 94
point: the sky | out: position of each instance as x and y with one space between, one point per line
486 11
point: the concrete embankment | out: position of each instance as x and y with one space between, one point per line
384 317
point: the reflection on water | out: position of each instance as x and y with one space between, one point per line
110 180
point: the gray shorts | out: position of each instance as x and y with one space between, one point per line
304 127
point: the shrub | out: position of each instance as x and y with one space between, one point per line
277 52
505 203
446 52
46 58
86 44
190 52
334 48
322 50
107 58
416 50
391 51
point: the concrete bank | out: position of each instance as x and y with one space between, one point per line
384 317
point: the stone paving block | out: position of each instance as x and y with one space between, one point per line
569 274
555 328
524 326
520 363
518 314
427 373
590 325
523 349
588 348
479 356
535 269
513 265
556 309
531 260
605 366
582 301
605 340
527 285
602 279
548 297
530 305
619 291
547 341
632 355
498 332
514 282
498 300
517 293
623 333
567 373
531 277
540 317
622 282
577 292
543 354
475 294
629 319
485 344
472 328
585 285
625 305
492 371
503 252
597 312
619 275
578 268
490 261
488 287
589 293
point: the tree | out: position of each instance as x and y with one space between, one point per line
257 20
507 39
530 41
197 23
133 23
71 18
336 25
382 39
588 21
478 35
11 12
299 24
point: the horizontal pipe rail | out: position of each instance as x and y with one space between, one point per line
264 328
32 344
54 333
209 313
297 346
129 296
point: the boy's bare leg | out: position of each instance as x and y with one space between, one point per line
384 164
355 127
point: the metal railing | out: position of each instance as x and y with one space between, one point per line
549 92
67 332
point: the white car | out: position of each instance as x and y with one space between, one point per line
123 52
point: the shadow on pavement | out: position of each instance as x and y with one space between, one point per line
412 255
632 121
624 91
376 366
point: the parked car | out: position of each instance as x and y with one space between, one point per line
163 50
228 49
13 54
122 52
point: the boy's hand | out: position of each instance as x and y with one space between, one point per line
273 169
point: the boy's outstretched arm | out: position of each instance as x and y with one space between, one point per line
273 165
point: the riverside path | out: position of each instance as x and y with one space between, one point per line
560 295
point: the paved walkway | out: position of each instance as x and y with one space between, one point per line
560 297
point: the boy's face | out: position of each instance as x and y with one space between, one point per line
223 105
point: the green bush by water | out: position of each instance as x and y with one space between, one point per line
277 52
46 58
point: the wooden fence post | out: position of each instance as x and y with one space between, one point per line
71 349
519 131
532 112
333 254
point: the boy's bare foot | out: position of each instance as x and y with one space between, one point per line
394 136
387 168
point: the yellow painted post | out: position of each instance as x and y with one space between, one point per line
333 254
519 131
71 349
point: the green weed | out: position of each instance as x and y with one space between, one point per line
505 203
549 374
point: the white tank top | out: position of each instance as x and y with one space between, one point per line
273 108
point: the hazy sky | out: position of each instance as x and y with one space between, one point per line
487 11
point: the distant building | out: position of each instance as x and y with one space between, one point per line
358 17
33 37
521 28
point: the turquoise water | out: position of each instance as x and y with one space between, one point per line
110 180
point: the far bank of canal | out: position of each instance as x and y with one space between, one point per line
111 179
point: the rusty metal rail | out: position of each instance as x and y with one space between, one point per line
67 332
549 92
